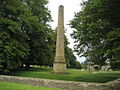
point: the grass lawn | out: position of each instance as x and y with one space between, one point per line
75 75
14 86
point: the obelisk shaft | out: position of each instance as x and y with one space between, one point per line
59 65
60 33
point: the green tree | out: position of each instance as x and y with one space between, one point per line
40 34
97 31
13 47
71 59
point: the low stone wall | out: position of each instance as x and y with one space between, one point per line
68 85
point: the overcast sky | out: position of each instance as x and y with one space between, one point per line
70 7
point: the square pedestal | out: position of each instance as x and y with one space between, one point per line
59 67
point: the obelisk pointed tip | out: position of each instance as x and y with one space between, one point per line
61 6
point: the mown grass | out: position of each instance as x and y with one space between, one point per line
74 75
14 86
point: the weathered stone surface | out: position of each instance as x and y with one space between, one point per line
68 85
59 65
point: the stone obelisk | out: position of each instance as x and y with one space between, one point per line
59 65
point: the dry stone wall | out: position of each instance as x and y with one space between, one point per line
68 85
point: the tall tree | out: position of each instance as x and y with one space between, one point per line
40 34
97 31
13 47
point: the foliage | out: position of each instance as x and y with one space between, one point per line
40 33
26 37
13 46
97 32
71 59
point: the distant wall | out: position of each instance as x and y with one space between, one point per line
68 85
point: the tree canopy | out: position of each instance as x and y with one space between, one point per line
97 32
26 37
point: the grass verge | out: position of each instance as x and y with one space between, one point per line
14 86
75 75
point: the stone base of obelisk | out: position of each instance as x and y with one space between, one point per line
59 67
